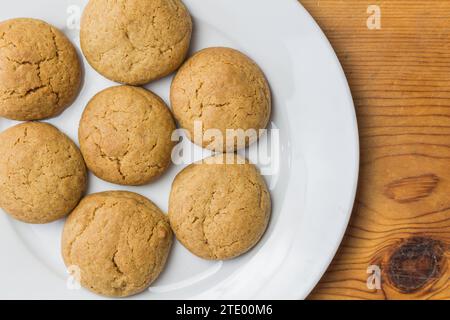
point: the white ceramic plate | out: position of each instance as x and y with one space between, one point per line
313 172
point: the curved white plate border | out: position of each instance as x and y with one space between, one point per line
328 160
353 175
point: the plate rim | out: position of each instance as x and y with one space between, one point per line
357 159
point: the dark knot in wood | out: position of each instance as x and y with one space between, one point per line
415 263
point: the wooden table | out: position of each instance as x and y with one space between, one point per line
400 80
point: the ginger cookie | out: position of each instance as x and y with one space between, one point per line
119 241
135 41
217 209
125 135
40 72
220 89
42 173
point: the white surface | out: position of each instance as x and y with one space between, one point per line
312 193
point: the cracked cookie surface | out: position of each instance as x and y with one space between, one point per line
40 72
223 89
125 135
42 173
119 241
219 211
135 41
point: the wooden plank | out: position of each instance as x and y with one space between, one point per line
400 80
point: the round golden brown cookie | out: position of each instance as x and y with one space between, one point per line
125 135
220 89
219 210
40 72
119 241
135 41
42 173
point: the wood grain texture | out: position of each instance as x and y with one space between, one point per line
400 80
